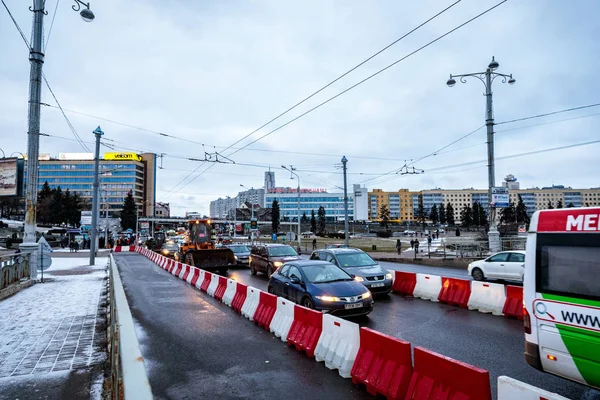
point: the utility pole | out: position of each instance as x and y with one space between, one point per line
346 233
487 78
292 171
94 233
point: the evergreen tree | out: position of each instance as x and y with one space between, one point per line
476 214
521 211
43 203
421 211
434 216
128 213
559 204
322 220
450 214
507 214
570 205
275 215
483 219
313 221
466 216
550 207
75 205
57 207
304 218
384 215
442 213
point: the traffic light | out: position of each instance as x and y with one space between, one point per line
253 224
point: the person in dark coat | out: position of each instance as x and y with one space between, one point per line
399 246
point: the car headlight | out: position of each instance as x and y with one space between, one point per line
165 251
235 258
328 298
366 295
249 258
277 264
388 276
359 279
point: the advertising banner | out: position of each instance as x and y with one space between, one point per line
8 177
500 197
122 156
75 156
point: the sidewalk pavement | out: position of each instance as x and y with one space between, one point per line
53 334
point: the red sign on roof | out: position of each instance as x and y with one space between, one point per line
569 220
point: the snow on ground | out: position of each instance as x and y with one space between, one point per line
52 326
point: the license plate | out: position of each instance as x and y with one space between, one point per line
380 284
353 305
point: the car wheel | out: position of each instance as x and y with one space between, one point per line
477 274
269 271
189 259
252 269
308 303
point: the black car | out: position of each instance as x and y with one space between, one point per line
267 258
169 248
241 253
322 286
358 263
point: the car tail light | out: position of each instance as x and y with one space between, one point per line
526 321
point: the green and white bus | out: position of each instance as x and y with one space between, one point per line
561 294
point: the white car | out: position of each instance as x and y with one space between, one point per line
504 265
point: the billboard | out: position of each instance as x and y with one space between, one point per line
75 156
9 177
500 197
122 156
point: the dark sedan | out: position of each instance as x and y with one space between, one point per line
241 253
322 286
169 249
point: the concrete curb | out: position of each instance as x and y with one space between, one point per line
15 288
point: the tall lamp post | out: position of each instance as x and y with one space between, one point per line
95 198
251 216
292 171
487 78
36 58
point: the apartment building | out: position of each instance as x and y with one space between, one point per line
399 203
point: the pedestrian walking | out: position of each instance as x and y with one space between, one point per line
399 246
416 246
428 239
412 244
314 243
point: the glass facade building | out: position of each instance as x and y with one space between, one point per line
333 203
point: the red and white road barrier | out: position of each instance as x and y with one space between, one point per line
509 389
251 303
338 344
212 287
123 249
306 329
229 292
283 318
514 302
428 287
487 297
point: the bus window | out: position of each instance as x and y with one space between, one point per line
562 294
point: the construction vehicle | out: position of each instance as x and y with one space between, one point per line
200 251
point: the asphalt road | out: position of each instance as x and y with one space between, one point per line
490 342
196 347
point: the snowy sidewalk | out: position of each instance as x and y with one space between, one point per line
53 334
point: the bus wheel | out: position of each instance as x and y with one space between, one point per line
477 274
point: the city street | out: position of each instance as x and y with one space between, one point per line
210 338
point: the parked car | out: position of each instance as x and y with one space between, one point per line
267 258
337 246
169 248
504 265
241 253
409 232
322 286
358 263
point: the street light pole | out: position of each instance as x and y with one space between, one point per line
487 78
346 233
94 232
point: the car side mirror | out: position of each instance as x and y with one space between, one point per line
352 276
295 280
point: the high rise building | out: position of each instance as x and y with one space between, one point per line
269 181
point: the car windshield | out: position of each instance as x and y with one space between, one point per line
358 259
171 245
240 249
282 251
324 273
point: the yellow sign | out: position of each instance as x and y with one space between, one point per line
122 156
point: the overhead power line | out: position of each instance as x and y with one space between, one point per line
547 114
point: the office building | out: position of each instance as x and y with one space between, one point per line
399 203
119 173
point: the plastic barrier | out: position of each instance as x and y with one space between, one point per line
221 287
404 282
194 276
122 249
214 282
428 287
251 303
229 292
267 305
283 318
173 266
163 261
306 329
383 364
455 292
487 297
338 344
201 276
438 377
177 270
206 281
239 298
185 272
513 307
509 389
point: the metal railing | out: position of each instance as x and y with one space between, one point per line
512 243
14 267
128 373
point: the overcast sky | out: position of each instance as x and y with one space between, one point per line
213 71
